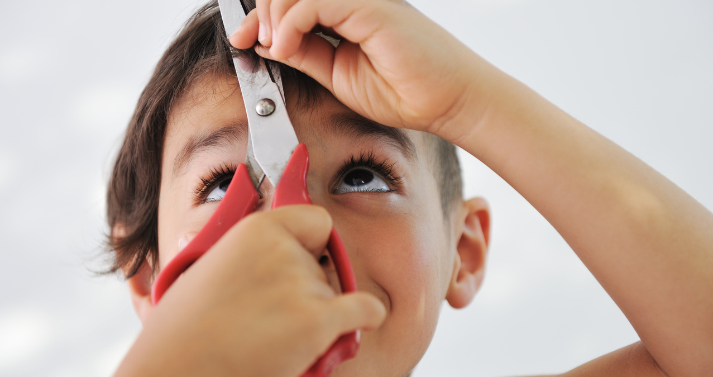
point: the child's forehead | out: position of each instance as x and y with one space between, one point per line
213 106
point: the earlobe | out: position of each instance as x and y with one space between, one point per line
139 284
140 291
471 252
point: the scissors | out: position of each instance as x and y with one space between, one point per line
273 153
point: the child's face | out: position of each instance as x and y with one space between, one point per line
401 248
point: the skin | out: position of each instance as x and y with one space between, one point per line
410 262
645 240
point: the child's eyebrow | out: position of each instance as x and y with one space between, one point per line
227 135
359 127
341 124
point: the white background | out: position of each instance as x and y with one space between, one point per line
639 72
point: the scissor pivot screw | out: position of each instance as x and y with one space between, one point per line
265 107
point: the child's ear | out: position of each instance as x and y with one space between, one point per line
473 230
139 284
140 291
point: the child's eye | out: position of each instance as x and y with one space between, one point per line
366 174
361 180
213 186
218 192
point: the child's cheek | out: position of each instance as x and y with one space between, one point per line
176 222
396 257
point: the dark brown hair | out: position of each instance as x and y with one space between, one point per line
201 48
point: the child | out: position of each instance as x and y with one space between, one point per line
259 304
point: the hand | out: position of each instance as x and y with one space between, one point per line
257 303
393 65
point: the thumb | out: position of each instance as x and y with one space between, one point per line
354 311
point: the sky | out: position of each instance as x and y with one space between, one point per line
639 72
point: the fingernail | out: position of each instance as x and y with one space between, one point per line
236 31
183 242
261 32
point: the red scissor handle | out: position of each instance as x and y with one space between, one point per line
292 189
239 201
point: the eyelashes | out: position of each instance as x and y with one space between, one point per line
222 175
368 160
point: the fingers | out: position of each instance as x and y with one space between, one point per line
270 13
246 35
262 8
280 245
309 225
285 31
282 24
354 311
315 57
277 11
354 20
258 26
302 18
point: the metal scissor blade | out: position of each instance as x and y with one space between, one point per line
254 169
233 13
272 135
